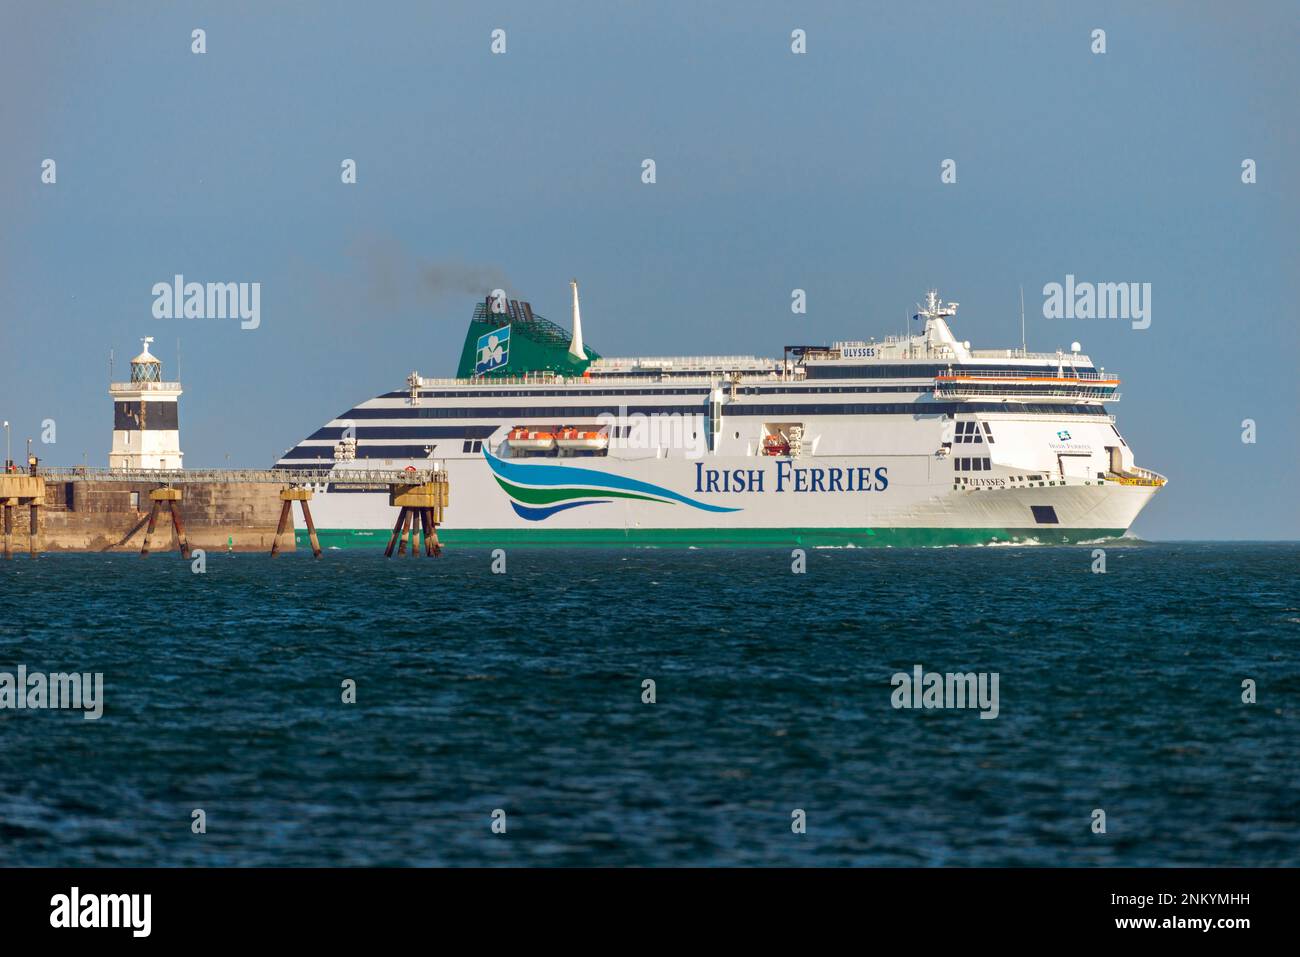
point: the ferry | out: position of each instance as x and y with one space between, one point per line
911 440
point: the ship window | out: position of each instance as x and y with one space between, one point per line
465 447
135 501
1044 514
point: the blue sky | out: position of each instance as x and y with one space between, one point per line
775 171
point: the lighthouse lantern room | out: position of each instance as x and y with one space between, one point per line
146 431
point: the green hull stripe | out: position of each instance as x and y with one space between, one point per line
811 537
545 496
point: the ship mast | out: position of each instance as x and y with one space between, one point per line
936 314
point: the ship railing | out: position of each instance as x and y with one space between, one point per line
144 386
1020 354
1137 476
616 363
1084 392
967 372
606 378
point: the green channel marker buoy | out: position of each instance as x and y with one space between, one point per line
230 544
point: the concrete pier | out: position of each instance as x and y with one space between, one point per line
102 510
17 490
102 516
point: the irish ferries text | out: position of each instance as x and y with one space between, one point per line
790 478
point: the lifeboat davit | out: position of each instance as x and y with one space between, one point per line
573 439
532 441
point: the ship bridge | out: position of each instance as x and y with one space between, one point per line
957 371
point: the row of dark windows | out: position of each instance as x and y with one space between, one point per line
566 412
902 371
966 430
407 432
541 393
972 465
701 391
308 452
596 391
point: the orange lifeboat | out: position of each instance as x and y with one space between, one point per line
775 445
532 441
576 440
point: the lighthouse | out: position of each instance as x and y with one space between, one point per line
146 431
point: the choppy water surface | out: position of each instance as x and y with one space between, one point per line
523 691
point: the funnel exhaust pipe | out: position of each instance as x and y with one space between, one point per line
575 346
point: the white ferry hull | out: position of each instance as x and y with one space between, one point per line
915 507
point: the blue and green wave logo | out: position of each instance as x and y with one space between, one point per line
539 491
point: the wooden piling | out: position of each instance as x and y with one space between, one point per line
159 495
397 526
406 530
311 530
180 529
288 496
34 530
421 511
435 549
148 532
279 528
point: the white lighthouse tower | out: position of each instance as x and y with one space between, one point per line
146 431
